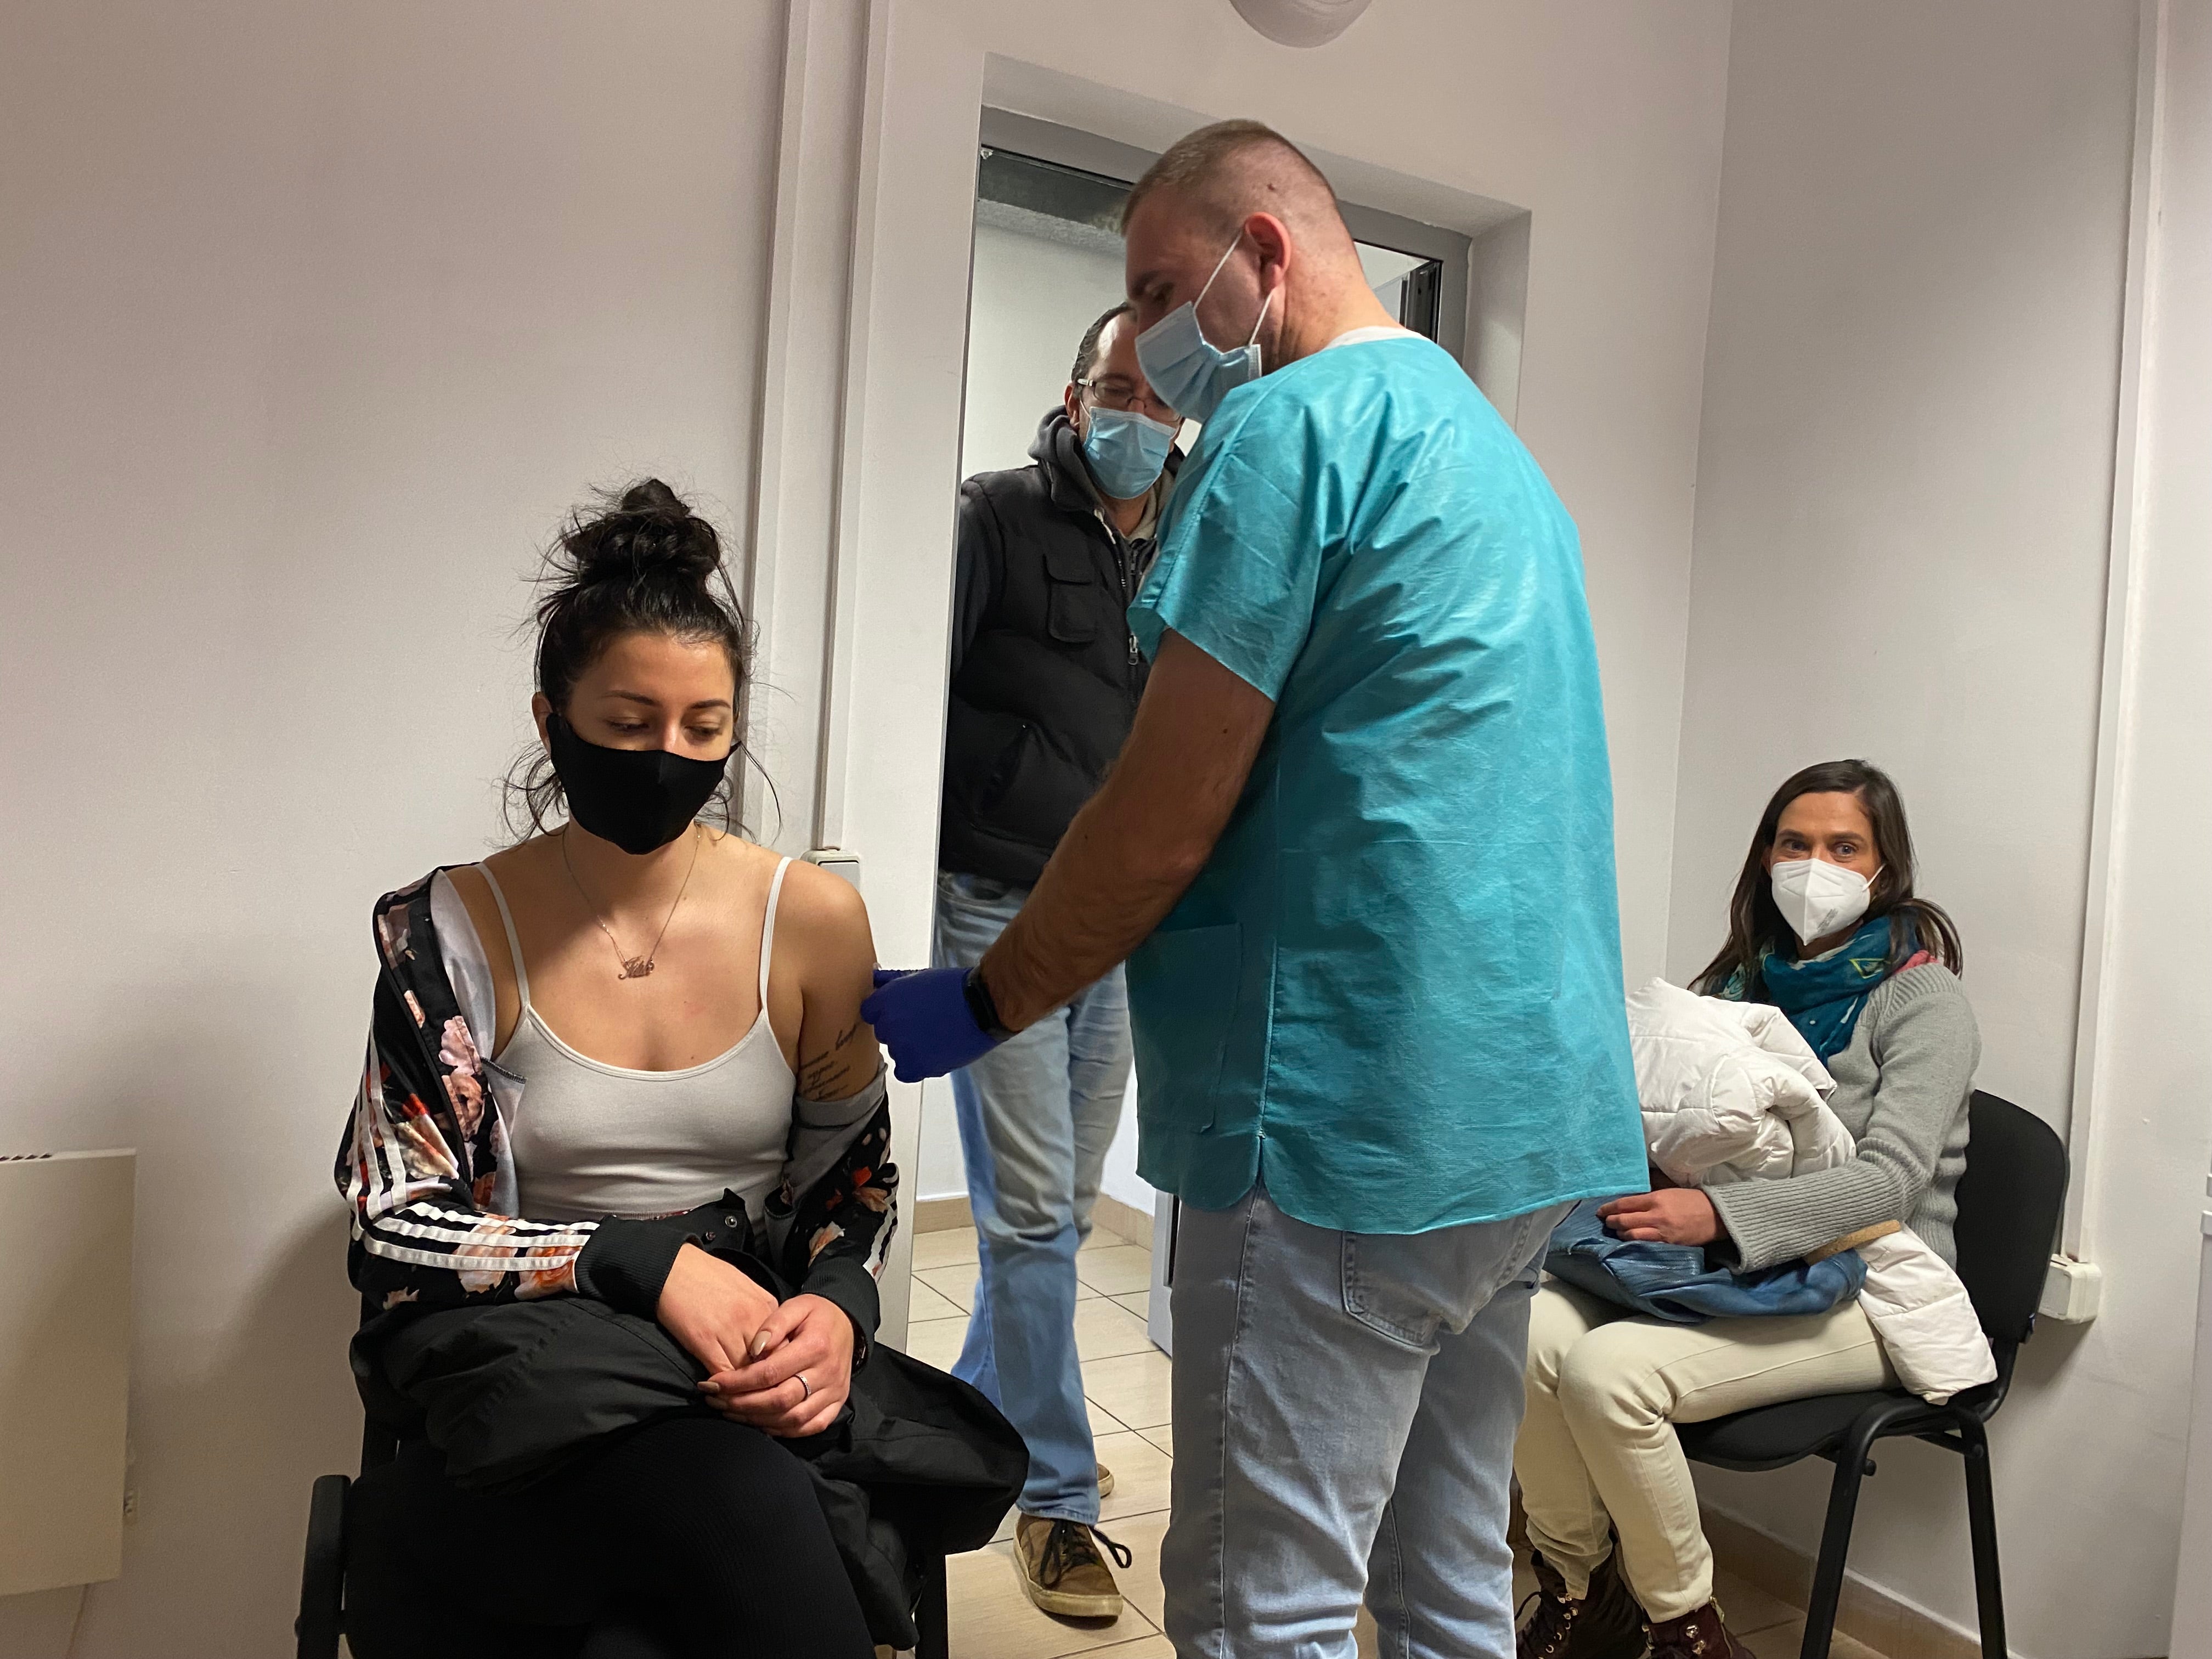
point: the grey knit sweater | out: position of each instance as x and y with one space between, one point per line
1901 1089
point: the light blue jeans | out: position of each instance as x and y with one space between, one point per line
1346 1406
1036 1116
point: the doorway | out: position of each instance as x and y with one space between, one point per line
1047 262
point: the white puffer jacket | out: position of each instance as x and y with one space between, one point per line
1731 1093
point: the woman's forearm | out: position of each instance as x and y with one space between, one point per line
1772 1221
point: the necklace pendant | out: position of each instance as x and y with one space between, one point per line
636 968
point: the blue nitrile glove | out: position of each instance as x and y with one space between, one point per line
923 1015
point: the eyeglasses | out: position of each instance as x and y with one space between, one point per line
1112 392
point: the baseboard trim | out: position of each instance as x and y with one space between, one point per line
1124 1221
942 1215
1893 1628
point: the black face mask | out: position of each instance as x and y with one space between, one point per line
640 799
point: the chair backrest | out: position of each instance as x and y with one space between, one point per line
2010 1199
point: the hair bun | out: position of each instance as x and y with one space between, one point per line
647 533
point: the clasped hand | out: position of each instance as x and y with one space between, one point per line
1671 1215
756 1351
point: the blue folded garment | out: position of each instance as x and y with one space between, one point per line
1676 1283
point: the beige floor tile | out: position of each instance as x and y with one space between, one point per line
1150 1647
956 1284
1105 1329
1163 1436
1118 1270
925 1302
946 1249
1140 1304
1103 1421
1142 1473
936 1341
993 1619
1748 1606
1781 1642
1133 1386
1140 1581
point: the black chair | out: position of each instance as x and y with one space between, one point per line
2010 1201
322 1581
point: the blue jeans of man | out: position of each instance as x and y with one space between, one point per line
1036 1116
1346 1406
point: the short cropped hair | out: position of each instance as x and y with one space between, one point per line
1086 354
1195 163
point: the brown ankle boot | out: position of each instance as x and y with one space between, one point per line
1703 1634
1606 1624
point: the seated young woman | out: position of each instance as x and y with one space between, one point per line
1826 925
626 1015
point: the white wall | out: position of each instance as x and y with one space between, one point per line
316 318
315 321
2154 1128
2166 795
1904 491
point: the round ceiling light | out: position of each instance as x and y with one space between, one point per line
1301 22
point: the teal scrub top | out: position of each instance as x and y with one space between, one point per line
1395 992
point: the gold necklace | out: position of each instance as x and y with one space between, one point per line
632 966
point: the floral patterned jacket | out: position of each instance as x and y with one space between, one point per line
424 1165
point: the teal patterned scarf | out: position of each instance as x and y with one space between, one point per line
1824 998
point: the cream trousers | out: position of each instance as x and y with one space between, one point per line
1597 1456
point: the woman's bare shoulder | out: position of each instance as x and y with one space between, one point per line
826 913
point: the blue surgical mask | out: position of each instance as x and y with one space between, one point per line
1190 374
1126 451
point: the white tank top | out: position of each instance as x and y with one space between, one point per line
591 1139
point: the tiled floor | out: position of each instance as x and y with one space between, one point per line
1126 1381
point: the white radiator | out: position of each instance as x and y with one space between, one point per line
65 1225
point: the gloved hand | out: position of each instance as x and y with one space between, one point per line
921 1015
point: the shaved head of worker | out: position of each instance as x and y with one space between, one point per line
1357 853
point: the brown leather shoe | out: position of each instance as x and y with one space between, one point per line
1606 1624
1105 1481
1062 1570
1700 1635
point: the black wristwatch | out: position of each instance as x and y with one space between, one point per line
982 1009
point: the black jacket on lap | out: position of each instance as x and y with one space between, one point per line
918 1465
1046 674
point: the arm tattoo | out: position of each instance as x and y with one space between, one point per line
815 1074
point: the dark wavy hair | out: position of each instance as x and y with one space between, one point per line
644 563
1756 926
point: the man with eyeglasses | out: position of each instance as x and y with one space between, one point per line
1046 676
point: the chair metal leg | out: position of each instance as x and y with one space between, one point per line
1851 1466
933 1618
1982 1525
322 1576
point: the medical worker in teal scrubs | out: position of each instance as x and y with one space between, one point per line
1357 851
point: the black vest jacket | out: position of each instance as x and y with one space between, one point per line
1045 690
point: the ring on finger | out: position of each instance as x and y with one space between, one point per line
806 1386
